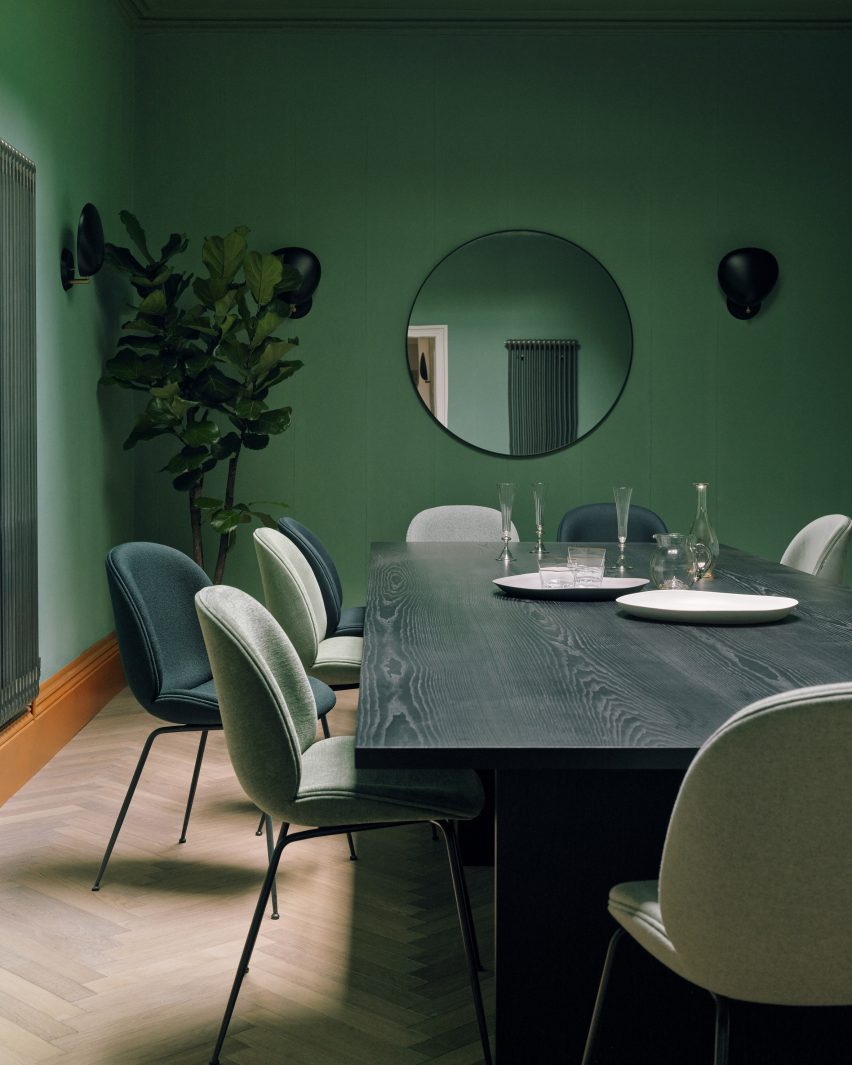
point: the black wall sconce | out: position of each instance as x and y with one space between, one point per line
747 276
90 249
308 265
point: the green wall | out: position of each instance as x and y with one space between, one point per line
65 101
657 151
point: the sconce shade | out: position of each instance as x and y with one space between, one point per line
308 266
90 242
747 276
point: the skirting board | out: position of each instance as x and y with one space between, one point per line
65 703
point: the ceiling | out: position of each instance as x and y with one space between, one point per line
317 13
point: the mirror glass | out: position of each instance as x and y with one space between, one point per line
519 343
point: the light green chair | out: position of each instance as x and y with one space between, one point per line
754 897
294 598
269 720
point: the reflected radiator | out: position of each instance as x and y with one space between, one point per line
542 395
19 661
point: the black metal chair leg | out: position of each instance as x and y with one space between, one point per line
134 780
598 1010
195 774
261 825
325 729
251 938
479 966
723 1030
468 935
269 848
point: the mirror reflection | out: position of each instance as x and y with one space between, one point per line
519 343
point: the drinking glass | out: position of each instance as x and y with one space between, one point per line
538 502
588 565
622 496
556 574
506 495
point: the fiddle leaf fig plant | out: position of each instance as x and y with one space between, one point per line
206 353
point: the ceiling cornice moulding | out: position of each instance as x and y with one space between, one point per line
478 15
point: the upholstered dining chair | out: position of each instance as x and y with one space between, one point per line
293 597
597 522
340 620
820 547
267 714
454 523
755 892
152 588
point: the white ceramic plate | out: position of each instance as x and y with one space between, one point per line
707 608
528 586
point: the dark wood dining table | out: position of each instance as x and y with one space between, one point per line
588 718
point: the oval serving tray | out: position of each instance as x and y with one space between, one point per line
528 586
706 608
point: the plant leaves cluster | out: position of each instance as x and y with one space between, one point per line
207 353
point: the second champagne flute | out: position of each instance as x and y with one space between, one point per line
622 496
506 495
538 502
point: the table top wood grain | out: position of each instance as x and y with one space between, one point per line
456 673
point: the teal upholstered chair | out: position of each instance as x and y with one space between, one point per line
267 714
596 523
153 588
459 522
755 889
340 620
820 547
293 597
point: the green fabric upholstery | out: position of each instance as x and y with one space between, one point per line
266 712
294 598
755 887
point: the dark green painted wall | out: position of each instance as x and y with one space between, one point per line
66 76
656 151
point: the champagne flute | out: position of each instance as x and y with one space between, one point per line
506 495
622 496
538 502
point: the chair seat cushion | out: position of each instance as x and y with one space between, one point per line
338 660
636 907
334 792
351 621
189 706
324 697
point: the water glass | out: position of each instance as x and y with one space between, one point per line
557 574
588 565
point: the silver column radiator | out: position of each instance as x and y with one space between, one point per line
19 661
542 395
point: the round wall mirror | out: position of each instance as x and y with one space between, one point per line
519 343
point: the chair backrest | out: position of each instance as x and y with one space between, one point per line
756 875
153 588
268 712
291 592
597 522
820 548
464 522
323 568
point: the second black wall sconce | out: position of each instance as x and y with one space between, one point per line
747 276
90 249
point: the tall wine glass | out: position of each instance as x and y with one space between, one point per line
506 495
538 502
622 496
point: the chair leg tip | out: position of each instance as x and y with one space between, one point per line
96 887
274 916
182 839
353 857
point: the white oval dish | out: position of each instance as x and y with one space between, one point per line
707 608
528 586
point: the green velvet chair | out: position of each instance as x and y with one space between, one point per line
294 598
152 588
267 713
754 896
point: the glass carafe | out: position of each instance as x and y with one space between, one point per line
702 532
674 564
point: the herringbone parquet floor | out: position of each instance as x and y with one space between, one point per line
365 966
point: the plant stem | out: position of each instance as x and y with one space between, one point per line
225 539
195 522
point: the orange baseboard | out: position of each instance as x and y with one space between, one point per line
64 704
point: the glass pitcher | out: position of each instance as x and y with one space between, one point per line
677 561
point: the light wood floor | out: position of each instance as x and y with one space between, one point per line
365 966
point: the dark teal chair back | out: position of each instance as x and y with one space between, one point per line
596 523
